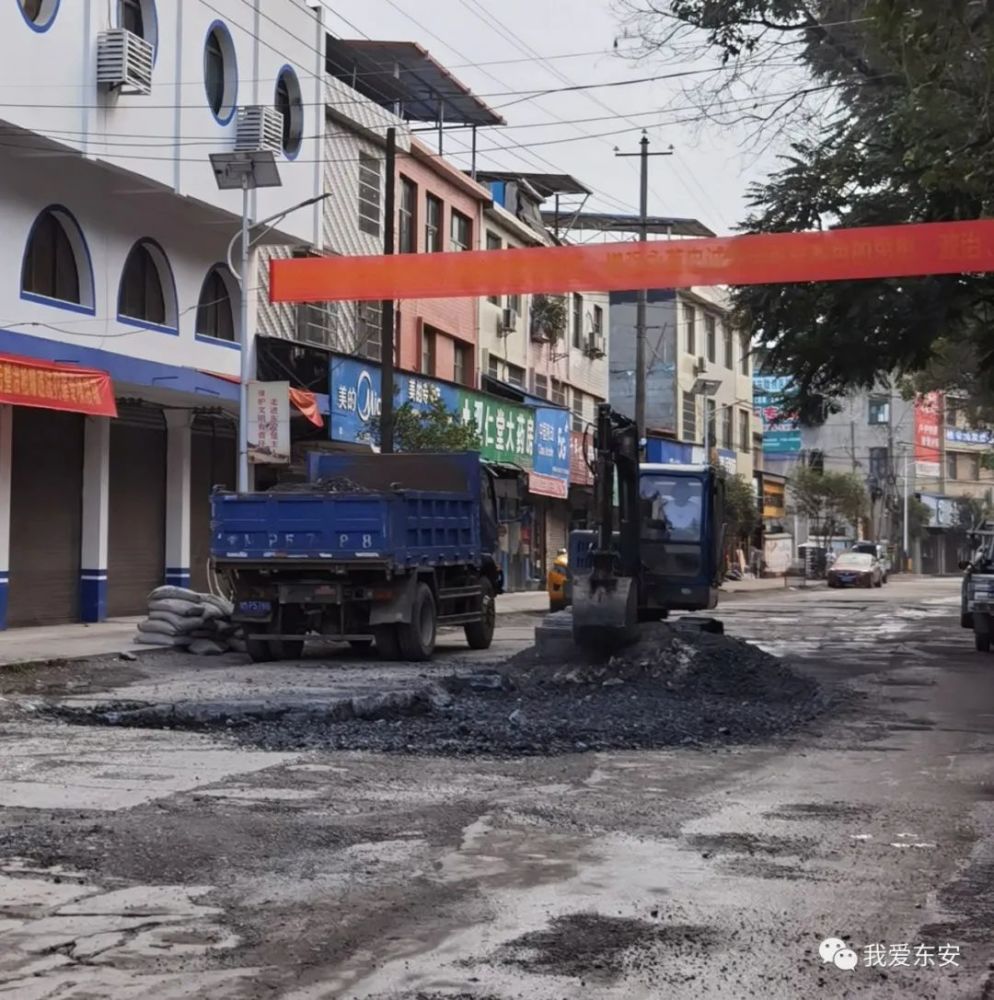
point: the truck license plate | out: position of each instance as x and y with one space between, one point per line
255 609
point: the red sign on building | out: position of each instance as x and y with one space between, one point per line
580 473
927 409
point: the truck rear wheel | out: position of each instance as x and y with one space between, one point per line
258 650
479 635
417 637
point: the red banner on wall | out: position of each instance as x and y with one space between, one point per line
579 470
927 444
769 258
48 385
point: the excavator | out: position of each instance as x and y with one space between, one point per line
657 543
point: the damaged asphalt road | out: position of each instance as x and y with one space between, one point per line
176 862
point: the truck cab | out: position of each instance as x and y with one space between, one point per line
977 589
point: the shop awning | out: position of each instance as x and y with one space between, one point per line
49 385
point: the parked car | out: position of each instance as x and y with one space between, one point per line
875 549
856 569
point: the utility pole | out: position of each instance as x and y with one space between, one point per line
904 540
643 296
388 329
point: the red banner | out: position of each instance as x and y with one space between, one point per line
927 445
872 252
48 385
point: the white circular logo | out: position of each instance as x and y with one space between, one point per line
829 947
846 959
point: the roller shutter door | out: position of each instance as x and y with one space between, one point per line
214 464
137 520
45 517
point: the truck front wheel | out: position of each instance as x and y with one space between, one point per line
479 635
417 638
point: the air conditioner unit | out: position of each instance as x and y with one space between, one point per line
593 345
509 320
260 128
124 62
701 366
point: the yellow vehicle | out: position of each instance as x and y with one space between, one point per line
556 581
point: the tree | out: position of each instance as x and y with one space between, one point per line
903 134
741 510
434 429
549 316
829 500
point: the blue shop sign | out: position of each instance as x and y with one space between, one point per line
356 397
551 454
659 451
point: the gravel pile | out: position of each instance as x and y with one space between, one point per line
675 687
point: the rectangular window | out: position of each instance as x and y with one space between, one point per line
577 320
711 411
460 364
690 324
879 410
433 224
816 461
494 243
879 465
493 367
558 393
973 467
744 360
541 386
427 352
407 238
745 431
369 330
514 302
461 231
577 410
728 428
317 323
516 376
711 329
370 199
951 465
689 416
598 322
726 333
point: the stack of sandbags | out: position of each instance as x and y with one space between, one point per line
183 618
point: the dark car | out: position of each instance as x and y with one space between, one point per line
856 569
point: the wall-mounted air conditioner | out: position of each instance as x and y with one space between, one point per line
259 128
509 320
124 62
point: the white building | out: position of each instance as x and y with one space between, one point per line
113 260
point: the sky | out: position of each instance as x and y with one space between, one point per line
705 177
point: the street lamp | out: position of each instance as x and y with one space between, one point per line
706 387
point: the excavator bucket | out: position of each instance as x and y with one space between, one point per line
605 612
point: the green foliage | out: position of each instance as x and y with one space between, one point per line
830 500
741 510
550 315
431 429
919 516
901 133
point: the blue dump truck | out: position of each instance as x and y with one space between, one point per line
372 548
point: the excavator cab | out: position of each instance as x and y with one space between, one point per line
658 541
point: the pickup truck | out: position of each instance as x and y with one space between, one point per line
373 548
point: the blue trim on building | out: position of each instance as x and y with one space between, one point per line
93 595
120 367
233 52
143 324
45 300
4 593
178 577
39 28
218 342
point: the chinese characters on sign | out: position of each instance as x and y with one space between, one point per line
968 435
927 409
779 436
269 423
51 386
506 430
912 956
550 476
580 473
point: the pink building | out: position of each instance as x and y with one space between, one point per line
438 209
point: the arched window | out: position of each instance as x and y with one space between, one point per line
39 14
220 73
215 311
147 293
56 267
289 102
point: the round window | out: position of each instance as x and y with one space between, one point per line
220 73
39 13
290 104
139 17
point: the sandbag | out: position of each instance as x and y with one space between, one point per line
226 608
158 639
152 627
170 592
212 612
187 609
207 647
183 623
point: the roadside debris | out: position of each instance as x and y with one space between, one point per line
182 618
